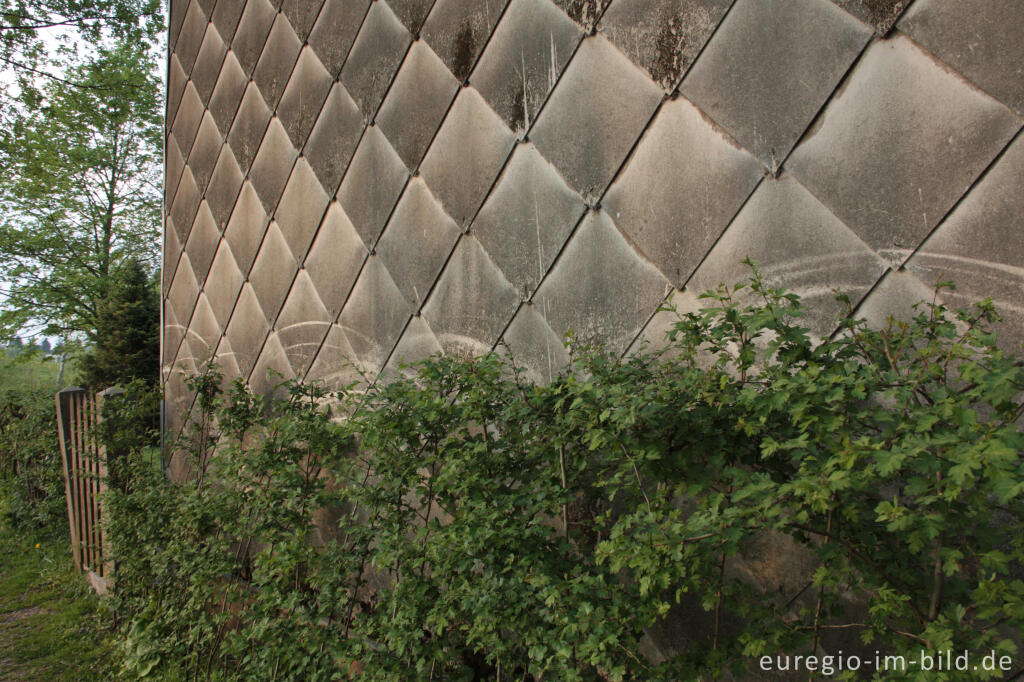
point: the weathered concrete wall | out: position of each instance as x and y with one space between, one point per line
366 181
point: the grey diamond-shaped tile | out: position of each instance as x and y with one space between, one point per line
374 317
301 15
203 331
335 31
663 36
205 150
982 39
177 16
304 97
223 283
227 94
654 336
416 103
770 67
881 14
191 37
301 209
303 323
335 363
334 138
172 252
418 220
246 227
208 63
225 17
586 13
418 343
471 303
247 329
335 259
534 346
173 333
374 58
894 296
224 185
249 126
202 242
912 137
277 60
457 30
798 244
600 288
272 165
184 290
207 6
412 13
527 53
272 272
594 116
684 184
467 155
173 165
253 28
188 118
372 184
271 369
527 218
186 203
980 246
227 363
176 80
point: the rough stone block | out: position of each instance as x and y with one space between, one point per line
302 324
303 97
301 209
417 242
466 155
416 103
663 36
770 67
272 165
522 63
683 185
798 244
272 272
335 259
912 138
594 116
374 317
471 303
277 60
372 184
982 39
334 138
335 31
457 30
248 127
527 218
246 227
600 289
374 58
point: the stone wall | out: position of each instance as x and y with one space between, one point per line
361 182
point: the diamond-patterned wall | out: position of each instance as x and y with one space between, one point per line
357 181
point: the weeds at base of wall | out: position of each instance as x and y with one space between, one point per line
465 523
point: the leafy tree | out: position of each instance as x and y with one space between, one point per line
127 331
24 25
80 192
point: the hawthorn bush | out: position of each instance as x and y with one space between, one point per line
463 523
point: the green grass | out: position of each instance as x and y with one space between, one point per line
50 621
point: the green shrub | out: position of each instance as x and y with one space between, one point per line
31 473
486 527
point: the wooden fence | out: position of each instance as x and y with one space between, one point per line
85 472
